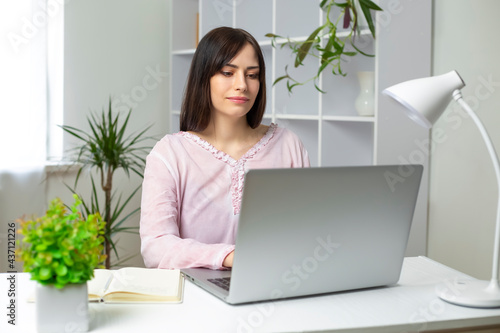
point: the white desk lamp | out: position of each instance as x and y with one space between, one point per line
425 100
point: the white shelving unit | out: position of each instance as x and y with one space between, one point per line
328 124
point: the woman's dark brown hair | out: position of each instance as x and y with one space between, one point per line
215 50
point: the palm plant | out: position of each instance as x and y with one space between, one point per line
106 149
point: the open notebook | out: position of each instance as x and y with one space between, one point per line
136 285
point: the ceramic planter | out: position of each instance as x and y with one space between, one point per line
365 102
62 310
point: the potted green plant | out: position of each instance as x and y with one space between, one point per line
60 250
105 149
326 42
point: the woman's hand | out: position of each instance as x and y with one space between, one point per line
228 261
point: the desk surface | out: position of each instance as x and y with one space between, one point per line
410 305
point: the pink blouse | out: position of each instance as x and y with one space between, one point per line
191 196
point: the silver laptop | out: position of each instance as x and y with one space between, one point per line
317 230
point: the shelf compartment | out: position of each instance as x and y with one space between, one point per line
255 16
184 25
347 143
180 70
174 122
303 99
267 51
215 14
342 91
307 131
294 17
267 120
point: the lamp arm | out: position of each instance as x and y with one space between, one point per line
494 157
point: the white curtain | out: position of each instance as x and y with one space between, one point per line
23 111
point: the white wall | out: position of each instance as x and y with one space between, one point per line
117 48
404 34
463 190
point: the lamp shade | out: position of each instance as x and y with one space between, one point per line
425 99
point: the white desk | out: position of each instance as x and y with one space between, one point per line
409 306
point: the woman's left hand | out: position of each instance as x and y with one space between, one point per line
228 261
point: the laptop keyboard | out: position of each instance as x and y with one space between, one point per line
221 282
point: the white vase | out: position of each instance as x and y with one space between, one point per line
365 102
62 310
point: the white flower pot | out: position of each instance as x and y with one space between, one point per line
62 310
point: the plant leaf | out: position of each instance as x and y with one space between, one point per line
318 89
306 46
347 17
279 79
327 50
360 51
366 5
369 4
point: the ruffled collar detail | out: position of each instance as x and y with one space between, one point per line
220 155
237 166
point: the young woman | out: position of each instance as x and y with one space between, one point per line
193 180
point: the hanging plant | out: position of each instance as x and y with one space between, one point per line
332 53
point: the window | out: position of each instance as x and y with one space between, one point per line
23 84
31 67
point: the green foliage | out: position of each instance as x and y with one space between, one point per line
106 149
331 53
62 247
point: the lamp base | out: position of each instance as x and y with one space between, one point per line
471 293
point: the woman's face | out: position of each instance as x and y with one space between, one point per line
234 88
